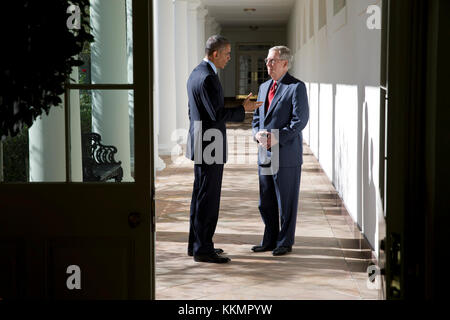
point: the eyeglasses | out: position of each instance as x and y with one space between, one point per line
271 61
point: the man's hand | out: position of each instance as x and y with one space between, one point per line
250 106
266 139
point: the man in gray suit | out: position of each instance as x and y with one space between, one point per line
277 127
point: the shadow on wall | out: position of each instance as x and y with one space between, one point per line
369 189
347 147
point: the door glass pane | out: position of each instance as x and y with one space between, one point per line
102 135
37 154
245 74
322 13
14 158
109 59
263 76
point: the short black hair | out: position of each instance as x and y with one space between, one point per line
215 43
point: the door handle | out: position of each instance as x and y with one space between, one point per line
395 262
134 219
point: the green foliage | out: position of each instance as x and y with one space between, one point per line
38 58
86 111
34 66
15 155
85 95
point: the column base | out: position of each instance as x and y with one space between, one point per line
160 165
169 149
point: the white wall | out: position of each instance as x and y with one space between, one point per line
270 35
341 66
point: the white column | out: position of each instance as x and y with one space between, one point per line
47 147
201 41
211 27
75 132
110 109
165 77
47 153
159 163
218 29
208 22
193 34
182 68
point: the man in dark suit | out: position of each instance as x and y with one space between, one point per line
207 146
277 127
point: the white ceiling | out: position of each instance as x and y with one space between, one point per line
230 13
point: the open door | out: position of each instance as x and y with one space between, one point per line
418 134
83 239
251 69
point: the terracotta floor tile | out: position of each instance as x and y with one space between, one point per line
329 259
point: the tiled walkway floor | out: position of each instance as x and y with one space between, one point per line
329 259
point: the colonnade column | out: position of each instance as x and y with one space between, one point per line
164 76
194 57
179 47
47 147
159 163
211 27
75 132
47 153
182 68
110 108
201 22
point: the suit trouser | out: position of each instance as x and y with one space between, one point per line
205 205
279 195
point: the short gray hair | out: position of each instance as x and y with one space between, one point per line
215 43
285 53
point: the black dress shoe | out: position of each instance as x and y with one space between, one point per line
281 251
211 258
217 251
262 249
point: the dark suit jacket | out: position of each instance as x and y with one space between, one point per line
289 113
207 111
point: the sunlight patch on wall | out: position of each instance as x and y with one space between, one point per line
306 131
370 164
314 118
347 145
326 132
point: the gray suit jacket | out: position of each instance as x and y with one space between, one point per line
289 113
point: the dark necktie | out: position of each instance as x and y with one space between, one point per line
272 91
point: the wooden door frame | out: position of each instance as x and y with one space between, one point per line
142 83
418 139
28 223
143 80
